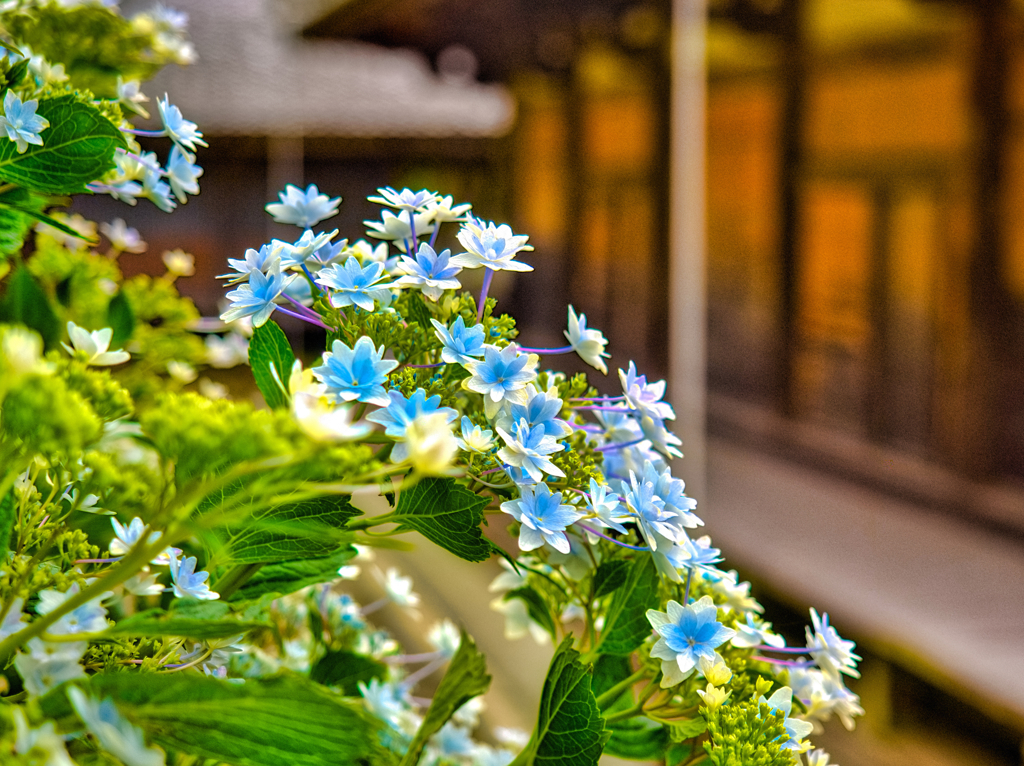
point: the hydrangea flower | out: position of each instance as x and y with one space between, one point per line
460 344
354 285
492 246
115 733
686 634
540 411
303 208
643 396
475 438
46 665
660 437
356 373
157 191
502 375
589 344
542 517
398 228
833 654
125 539
188 583
45 744
443 210
254 260
405 199
647 508
607 507
527 448
21 122
398 588
182 132
123 238
401 412
430 271
94 346
325 422
183 174
296 253
256 298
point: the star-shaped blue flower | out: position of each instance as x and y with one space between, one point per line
542 518
303 208
356 373
351 284
502 375
460 343
256 298
181 131
492 246
686 635
21 122
430 271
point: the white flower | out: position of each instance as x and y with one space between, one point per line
474 438
183 372
303 208
45 744
21 353
589 344
430 444
227 351
179 263
325 421
94 345
123 238
445 638
398 588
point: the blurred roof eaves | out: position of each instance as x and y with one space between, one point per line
258 76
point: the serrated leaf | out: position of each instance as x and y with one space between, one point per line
345 670
466 678
418 311
535 606
13 228
289 576
626 624
447 514
78 147
120 318
570 729
26 303
157 622
610 576
7 516
290 531
279 721
269 345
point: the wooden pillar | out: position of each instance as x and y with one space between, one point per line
687 268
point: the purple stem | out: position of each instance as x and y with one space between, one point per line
488 274
786 663
399 659
300 308
370 608
785 649
620 445
492 470
423 672
598 399
426 366
613 540
145 133
303 317
601 409
561 350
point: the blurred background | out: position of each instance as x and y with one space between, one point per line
807 214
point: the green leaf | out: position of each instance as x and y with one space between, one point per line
609 669
289 576
7 516
688 729
447 514
78 147
345 670
269 346
626 624
279 721
418 311
26 303
120 318
535 606
13 227
306 529
157 622
466 678
609 577
570 729
638 739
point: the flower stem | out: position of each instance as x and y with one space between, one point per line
303 317
488 274
612 539
609 697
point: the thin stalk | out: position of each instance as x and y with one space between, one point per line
616 691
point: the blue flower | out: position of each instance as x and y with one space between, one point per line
502 376
686 635
21 122
157 191
647 509
527 448
115 733
540 411
303 208
183 174
460 343
405 199
352 284
607 507
833 654
295 254
398 228
643 396
542 518
182 132
255 260
671 491
400 412
356 374
256 298
492 246
429 271
188 583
